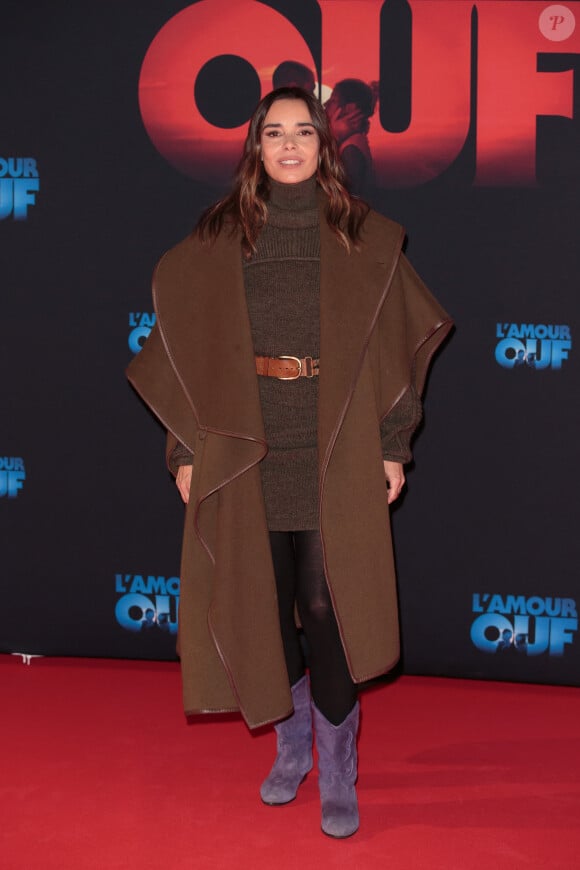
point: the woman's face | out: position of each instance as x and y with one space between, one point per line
289 142
333 103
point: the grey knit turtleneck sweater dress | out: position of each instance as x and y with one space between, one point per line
282 281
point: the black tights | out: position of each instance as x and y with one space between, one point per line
300 581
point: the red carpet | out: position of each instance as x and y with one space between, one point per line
99 770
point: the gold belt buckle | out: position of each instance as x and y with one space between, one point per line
292 377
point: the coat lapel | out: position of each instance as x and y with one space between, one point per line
195 283
353 287
203 284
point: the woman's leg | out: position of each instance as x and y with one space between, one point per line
335 707
283 558
294 734
333 689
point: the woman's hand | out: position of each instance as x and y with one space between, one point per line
344 120
183 481
395 477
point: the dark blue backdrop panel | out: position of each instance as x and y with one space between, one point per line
486 550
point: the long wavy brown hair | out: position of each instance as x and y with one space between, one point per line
246 205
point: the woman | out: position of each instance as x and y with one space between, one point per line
349 109
292 338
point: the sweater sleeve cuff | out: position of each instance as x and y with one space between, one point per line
180 455
398 426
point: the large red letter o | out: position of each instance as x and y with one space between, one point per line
189 40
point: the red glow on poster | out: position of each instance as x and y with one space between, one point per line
510 92
190 39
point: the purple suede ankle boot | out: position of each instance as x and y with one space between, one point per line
337 772
294 758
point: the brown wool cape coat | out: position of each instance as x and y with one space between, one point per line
379 327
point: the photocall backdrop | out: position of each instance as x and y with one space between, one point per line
120 123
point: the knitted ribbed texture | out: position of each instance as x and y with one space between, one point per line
282 281
398 426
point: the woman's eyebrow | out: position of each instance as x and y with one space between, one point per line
298 124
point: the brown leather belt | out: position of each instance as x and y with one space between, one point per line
287 368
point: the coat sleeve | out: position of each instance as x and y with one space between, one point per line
411 327
427 324
153 377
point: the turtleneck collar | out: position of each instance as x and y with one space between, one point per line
293 197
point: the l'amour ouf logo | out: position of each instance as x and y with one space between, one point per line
19 184
526 625
140 325
532 345
147 603
12 476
